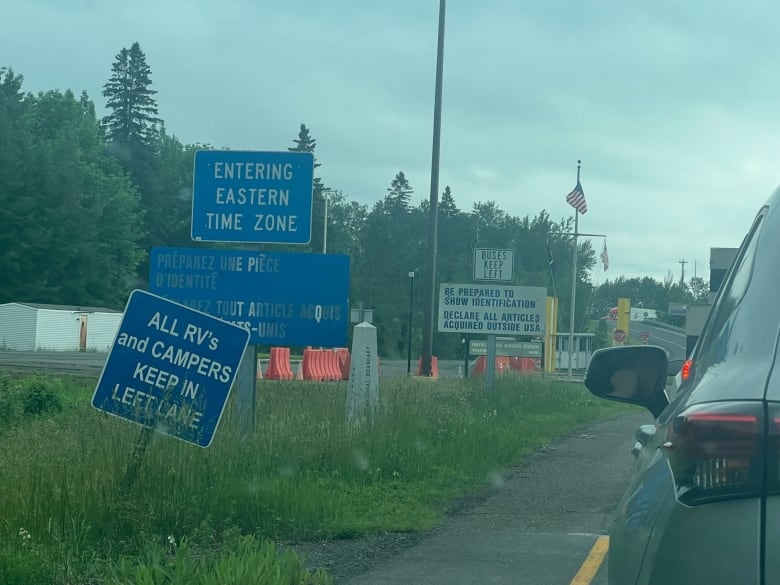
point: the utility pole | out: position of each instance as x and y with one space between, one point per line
433 212
683 262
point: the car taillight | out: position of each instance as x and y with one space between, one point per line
715 451
686 369
773 457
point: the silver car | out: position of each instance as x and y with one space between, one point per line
704 504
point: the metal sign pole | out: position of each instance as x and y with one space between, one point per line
246 390
490 370
573 291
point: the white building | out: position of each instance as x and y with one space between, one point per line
640 314
583 349
39 327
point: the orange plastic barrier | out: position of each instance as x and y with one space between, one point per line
272 371
328 371
479 368
342 354
506 365
525 364
334 365
324 365
316 365
288 375
434 367
307 364
279 364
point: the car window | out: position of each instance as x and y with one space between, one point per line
717 331
736 330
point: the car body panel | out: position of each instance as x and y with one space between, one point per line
636 515
716 543
772 539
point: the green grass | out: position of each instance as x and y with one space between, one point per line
304 474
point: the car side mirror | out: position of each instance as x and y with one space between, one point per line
635 374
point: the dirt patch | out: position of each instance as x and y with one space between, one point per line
345 558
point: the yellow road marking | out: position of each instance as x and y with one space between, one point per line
592 562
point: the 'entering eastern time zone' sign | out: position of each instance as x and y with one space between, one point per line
252 197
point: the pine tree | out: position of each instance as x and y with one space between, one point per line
131 100
305 143
399 194
447 207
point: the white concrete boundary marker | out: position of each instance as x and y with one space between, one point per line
363 385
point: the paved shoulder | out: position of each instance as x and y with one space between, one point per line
536 525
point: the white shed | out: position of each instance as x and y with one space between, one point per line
39 327
583 348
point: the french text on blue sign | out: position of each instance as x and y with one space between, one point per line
250 196
170 368
281 298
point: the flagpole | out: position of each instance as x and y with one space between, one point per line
573 282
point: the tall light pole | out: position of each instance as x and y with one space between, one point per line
433 211
409 340
326 193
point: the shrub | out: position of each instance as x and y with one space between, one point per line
40 396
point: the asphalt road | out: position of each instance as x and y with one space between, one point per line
91 363
672 340
60 362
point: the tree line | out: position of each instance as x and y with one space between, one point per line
83 200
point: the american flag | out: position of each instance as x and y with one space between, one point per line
605 257
577 199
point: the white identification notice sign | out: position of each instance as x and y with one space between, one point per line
492 309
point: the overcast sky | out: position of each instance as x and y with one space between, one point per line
672 106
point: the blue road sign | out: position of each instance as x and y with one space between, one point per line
253 197
170 368
283 299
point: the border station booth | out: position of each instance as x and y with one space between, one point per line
583 348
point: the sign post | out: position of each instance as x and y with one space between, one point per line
246 380
490 367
